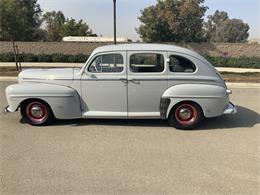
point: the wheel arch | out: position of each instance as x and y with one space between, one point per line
28 100
172 107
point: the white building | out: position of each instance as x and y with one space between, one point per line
95 39
255 41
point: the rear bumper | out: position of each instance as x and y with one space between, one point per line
231 109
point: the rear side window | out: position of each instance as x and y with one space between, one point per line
108 63
146 62
181 64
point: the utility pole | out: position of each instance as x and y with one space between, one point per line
114 1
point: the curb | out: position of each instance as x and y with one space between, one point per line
238 70
243 85
8 78
231 85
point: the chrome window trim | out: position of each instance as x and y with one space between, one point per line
92 58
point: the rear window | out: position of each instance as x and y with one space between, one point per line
181 64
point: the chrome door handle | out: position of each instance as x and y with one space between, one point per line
123 80
134 81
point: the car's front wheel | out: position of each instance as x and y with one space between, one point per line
186 116
36 112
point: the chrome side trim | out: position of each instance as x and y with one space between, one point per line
200 97
43 79
120 79
41 96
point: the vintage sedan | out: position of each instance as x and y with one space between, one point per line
130 81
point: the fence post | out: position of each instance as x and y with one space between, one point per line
15 55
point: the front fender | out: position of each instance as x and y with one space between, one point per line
64 101
212 99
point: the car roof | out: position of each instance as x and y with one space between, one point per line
144 47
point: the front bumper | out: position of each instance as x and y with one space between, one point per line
231 109
7 110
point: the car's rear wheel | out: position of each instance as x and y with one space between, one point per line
36 112
186 116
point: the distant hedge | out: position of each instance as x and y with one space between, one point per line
9 57
236 62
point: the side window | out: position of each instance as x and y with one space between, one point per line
181 64
146 62
108 63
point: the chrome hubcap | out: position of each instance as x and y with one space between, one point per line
185 114
37 112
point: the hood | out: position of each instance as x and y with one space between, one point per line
62 76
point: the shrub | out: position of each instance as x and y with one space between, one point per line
7 57
44 58
57 57
236 62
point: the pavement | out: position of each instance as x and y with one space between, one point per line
39 65
133 156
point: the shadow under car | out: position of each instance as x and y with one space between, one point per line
244 118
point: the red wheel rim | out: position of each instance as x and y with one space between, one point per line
36 112
186 114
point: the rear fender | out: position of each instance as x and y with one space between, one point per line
212 99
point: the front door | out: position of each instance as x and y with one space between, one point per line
104 86
147 81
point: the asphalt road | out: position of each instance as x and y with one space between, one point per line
133 157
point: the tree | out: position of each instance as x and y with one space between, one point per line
173 21
57 26
214 21
54 22
219 28
73 28
20 20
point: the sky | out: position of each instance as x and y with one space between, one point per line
98 14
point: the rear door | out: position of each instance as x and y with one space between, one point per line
147 81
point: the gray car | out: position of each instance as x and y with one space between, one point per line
128 81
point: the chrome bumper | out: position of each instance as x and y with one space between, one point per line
231 109
7 110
